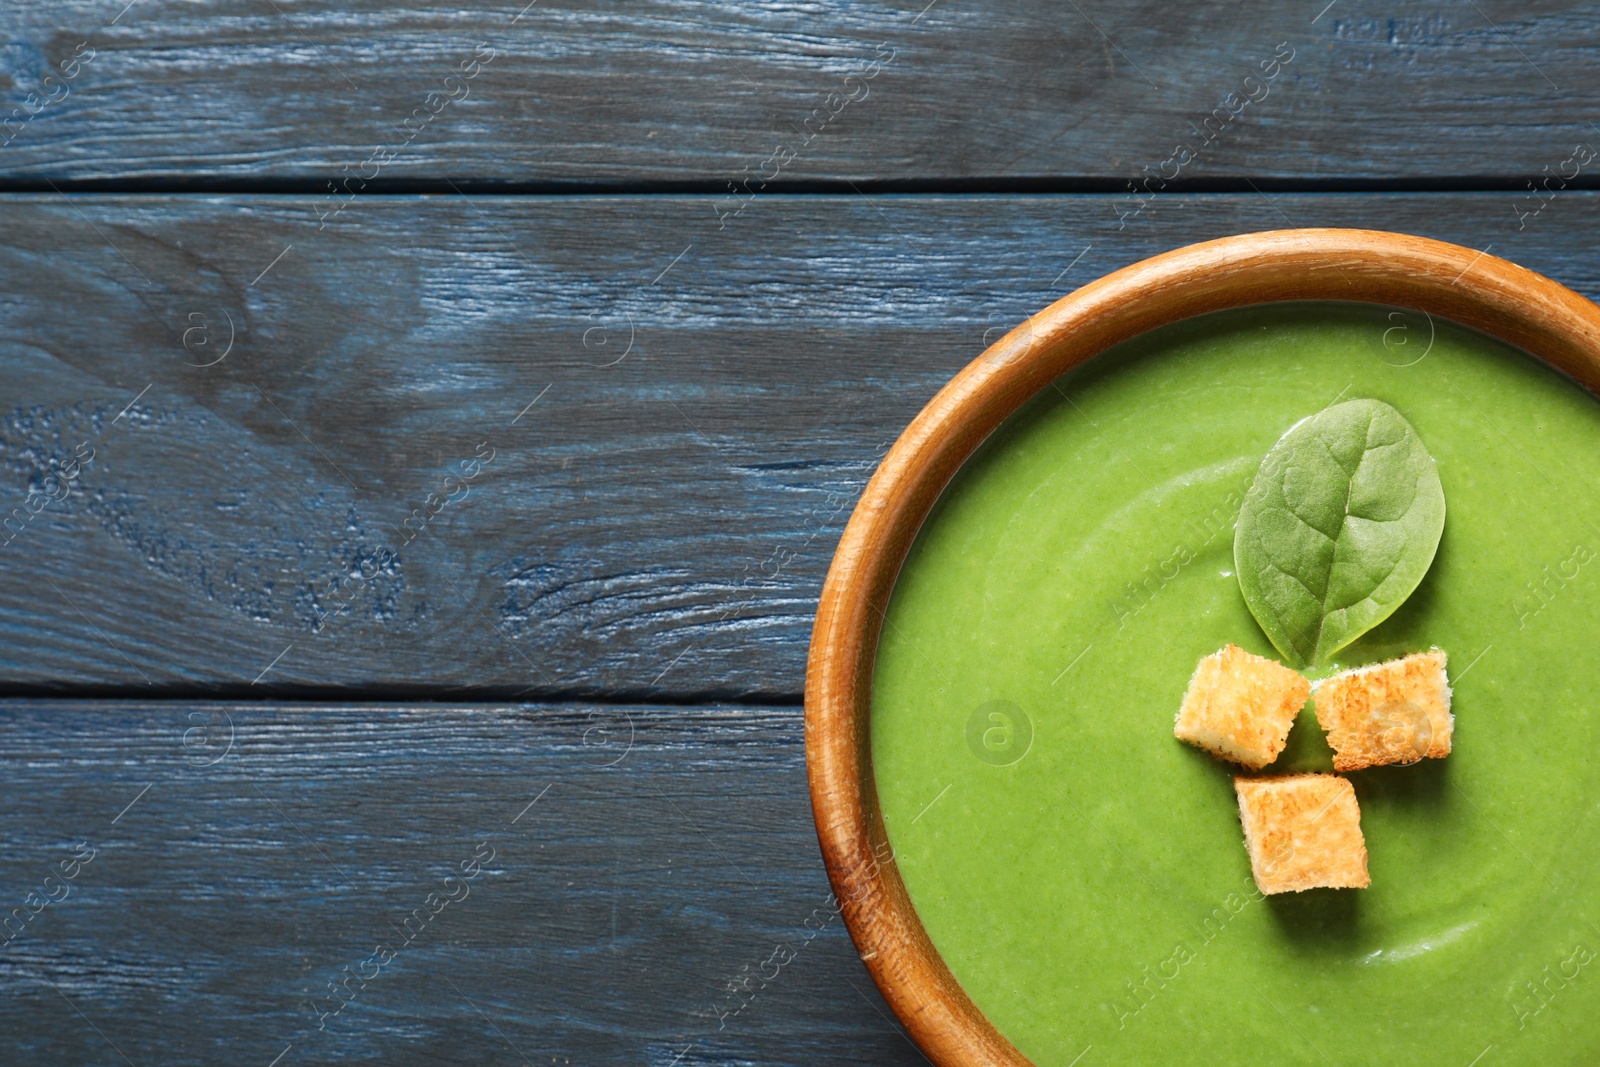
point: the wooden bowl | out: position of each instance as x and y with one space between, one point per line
1468 286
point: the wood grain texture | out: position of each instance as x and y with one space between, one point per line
578 91
1448 280
658 527
670 853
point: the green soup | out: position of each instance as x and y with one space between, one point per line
1083 873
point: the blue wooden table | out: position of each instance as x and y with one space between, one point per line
425 428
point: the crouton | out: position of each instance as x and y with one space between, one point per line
1302 831
1240 706
1395 712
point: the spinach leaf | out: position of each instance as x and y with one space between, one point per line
1339 527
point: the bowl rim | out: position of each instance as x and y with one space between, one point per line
1470 286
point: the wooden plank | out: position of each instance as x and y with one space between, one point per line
656 525
574 91
211 868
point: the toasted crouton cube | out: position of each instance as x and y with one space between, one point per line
1395 712
1302 831
1240 706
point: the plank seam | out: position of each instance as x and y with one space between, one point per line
409 695
994 186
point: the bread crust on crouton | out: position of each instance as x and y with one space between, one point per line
1240 706
1303 831
1394 712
